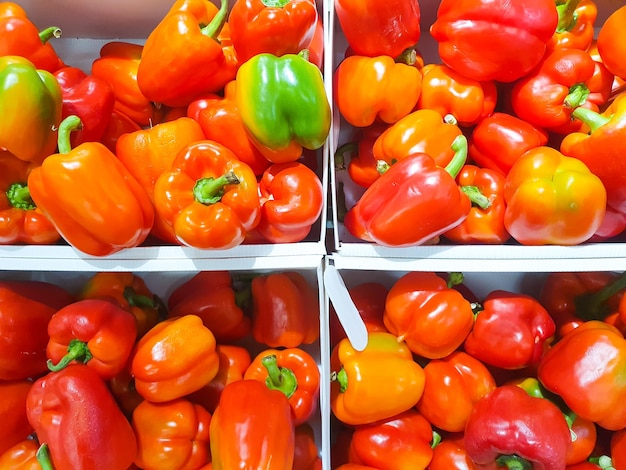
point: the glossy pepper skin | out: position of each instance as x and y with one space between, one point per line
362 166
285 310
450 454
373 29
575 29
209 197
306 454
594 345
370 89
21 456
292 371
159 378
610 44
506 425
572 203
15 425
31 100
283 104
73 412
174 434
465 33
182 58
376 383
246 411
212 296
95 332
264 26
25 310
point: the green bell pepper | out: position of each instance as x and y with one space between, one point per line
282 101
31 103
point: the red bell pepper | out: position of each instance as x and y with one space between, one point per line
450 454
512 429
88 97
373 28
275 27
292 371
575 29
362 166
306 454
25 310
617 447
15 425
493 40
610 44
119 124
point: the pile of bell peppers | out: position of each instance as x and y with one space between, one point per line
114 375
537 96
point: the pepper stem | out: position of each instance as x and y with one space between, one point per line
567 15
589 117
210 190
18 196
279 378
604 462
340 154
477 198
341 378
459 145
76 351
514 462
593 306
69 124
49 33
43 457
455 279
138 300
407 57
214 28
577 96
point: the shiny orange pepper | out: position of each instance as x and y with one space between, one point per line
362 166
611 47
21 456
171 435
450 454
175 358
575 29
15 426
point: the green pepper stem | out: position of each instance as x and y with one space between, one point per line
435 440
49 33
455 279
603 461
590 118
279 378
577 96
341 378
18 196
407 57
76 351
210 190
514 462
459 145
593 306
275 3
340 154
137 300
69 124
567 15
43 457
214 28
477 198
305 54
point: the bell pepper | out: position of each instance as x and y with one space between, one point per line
511 331
233 362
610 44
208 196
564 370
171 435
119 124
118 63
354 466
175 358
283 104
362 166
415 188
450 454
147 153
274 27
213 297
561 82
83 215
21 456
25 310
182 58
453 384
285 310
450 93
15 425
306 454
485 221
292 371
493 40
613 224
292 200
20 219
373 29
552 199
575 29
377 383
130 292
602 149
31 103
369 89
95 332
432 318
75 415
22 38
253 417
123 389
88 97
221 122
499 140
617 445
512 429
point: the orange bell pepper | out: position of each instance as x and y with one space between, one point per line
15 425
21 456
285 310
175 358
292 371
375 88
431 317
450 454
362 166
171 435
83 191
148 153
376 383
209 197
611 46
575 29
118 63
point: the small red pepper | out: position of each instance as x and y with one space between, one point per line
15 425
